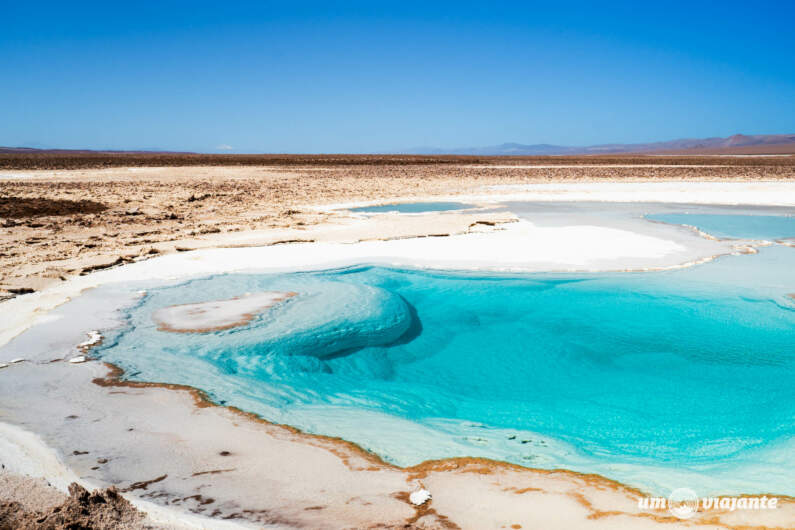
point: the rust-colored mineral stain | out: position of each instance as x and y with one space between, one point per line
346 450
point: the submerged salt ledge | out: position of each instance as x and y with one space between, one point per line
323 319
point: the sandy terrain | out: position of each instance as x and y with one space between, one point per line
67 230
57 223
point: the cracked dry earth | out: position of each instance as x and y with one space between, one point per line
59 223
54 228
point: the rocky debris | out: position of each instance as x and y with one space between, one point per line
144 484
97 510
20 290
94 338
289 241
121 260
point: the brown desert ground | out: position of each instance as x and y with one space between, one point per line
69 213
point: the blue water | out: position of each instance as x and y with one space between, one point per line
647 370
734 226
414 207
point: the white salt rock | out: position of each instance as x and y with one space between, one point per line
78 359
420 497
94 338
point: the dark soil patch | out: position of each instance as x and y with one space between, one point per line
100 510
18 207
66 159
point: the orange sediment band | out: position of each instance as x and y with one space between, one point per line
347 451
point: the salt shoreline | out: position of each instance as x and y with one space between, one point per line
458 252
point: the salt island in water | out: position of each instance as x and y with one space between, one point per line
216 315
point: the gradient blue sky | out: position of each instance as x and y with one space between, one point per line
381 77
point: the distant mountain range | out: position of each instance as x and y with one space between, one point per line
737 144
739 141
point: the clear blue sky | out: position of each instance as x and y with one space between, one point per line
383 76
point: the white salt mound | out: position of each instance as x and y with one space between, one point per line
420 497
94 338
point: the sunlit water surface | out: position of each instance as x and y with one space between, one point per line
730 226
660 380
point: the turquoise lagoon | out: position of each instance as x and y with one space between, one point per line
658 379
734 226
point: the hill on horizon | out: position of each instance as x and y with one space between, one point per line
694 145
735 144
